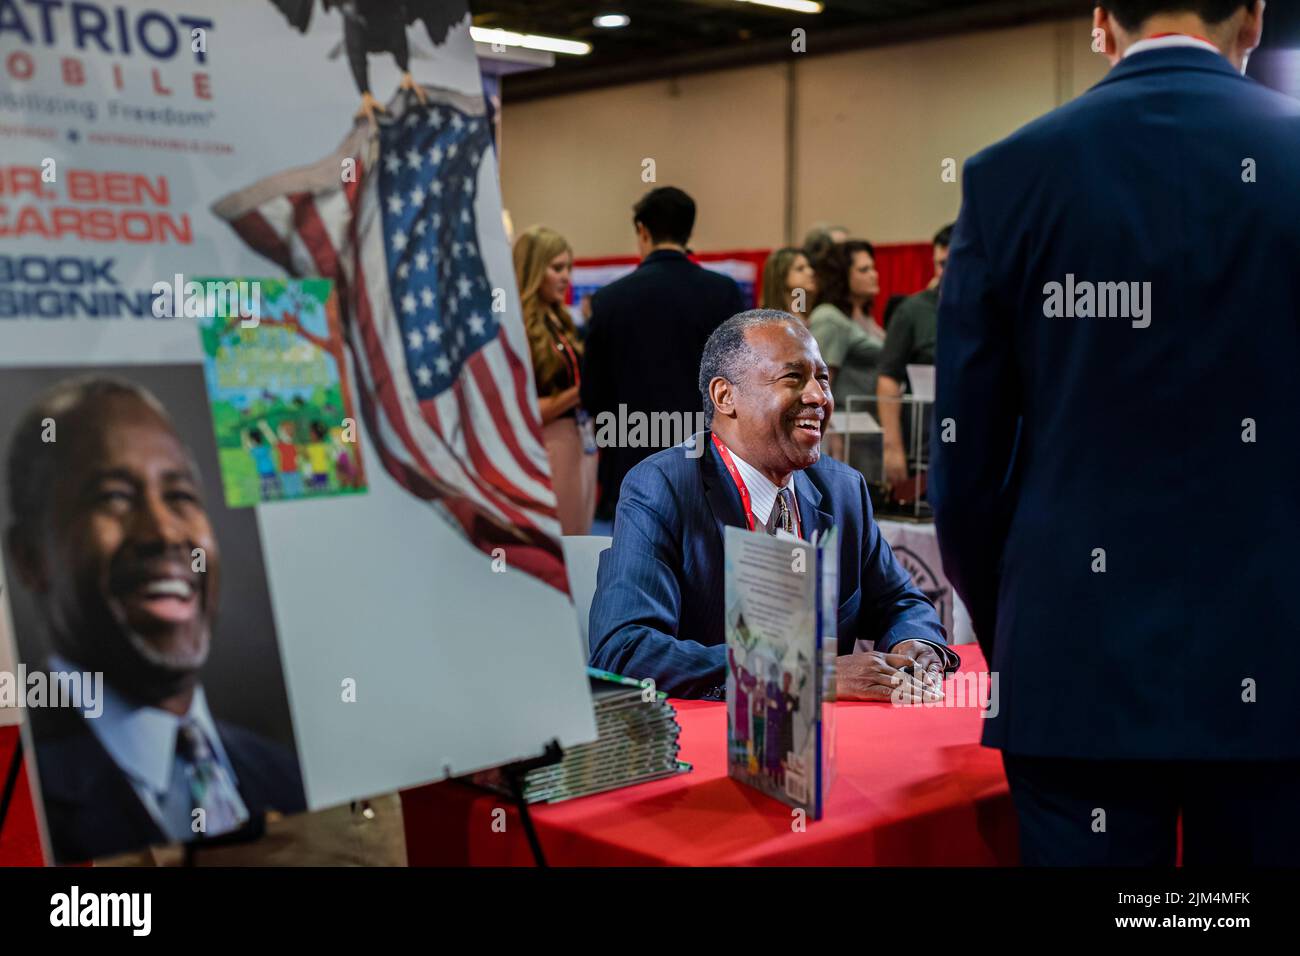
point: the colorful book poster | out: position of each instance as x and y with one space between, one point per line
781 645
282 408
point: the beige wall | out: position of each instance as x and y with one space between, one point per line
871 130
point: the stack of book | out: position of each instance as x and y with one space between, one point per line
637 742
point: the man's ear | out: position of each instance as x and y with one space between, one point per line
723 394
28 560
1251 32
1103 30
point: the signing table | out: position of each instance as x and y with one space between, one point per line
20 842
913 788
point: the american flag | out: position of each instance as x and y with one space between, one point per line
445 394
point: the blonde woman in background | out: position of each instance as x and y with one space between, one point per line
543 261
789 283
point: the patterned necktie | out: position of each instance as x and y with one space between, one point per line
210 787
782 516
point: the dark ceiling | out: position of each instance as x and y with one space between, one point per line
679 36
672 37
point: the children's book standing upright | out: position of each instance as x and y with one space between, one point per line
282 407
781 598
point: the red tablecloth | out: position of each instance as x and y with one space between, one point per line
20 843
913 787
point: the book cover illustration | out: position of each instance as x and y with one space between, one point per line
780 665
282 407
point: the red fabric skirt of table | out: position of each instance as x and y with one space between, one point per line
913 787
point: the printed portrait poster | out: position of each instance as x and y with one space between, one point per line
376 596
9 711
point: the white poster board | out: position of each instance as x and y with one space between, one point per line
457 660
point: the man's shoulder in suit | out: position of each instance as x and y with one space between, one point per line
266 770
679 467
678 270
1122 90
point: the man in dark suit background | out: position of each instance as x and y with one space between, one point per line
658 606
648 331
1119 334
111 535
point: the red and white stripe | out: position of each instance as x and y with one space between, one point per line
476 449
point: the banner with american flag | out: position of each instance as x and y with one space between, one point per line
439 354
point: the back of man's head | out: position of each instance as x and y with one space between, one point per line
667 213
1132 14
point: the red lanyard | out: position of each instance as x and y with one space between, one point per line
725 454
1194 36
566 349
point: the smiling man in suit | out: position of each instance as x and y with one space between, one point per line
1090 464
658 612
108 529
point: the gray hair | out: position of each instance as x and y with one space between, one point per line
31 461
727 350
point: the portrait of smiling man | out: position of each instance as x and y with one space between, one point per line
658 608
110 534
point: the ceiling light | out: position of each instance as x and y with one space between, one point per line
530 41
611 21
797 6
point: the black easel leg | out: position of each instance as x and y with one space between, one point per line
517 788
11 782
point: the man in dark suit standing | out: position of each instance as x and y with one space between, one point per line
658 606
1117 354
648 331
111 535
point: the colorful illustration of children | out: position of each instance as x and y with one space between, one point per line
344 461
287 452
775 718
740 708
790 699
318 458
259 448
758 712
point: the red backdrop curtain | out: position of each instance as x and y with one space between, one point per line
904 267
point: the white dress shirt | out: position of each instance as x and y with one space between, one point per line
141 740
762 492
762 496
1163 43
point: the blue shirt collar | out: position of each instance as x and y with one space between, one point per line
141 739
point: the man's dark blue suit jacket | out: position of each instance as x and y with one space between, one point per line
92 810
658 607
1170 452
